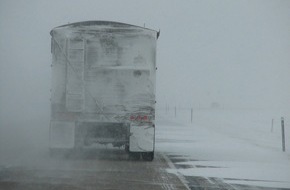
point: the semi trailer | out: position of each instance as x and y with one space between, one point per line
103 87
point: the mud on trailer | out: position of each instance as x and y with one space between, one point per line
103 87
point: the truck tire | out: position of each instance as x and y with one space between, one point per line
134 156
127 148
56 153
148 156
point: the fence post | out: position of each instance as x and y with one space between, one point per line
167 108
283 134
191 115
175 111
272 126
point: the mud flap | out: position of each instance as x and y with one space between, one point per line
62 134
142 138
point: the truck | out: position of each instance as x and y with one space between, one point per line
103 87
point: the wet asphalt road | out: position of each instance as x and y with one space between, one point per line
91 170
105 170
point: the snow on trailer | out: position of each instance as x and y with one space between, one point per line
103 86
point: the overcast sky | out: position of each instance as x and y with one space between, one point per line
236 53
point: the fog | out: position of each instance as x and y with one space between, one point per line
235 53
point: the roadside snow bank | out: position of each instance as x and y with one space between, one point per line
239 146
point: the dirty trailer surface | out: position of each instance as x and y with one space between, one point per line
107 170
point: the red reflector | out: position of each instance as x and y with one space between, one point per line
139 118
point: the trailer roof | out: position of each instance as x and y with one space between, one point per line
92 24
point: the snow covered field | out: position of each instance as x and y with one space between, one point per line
238 146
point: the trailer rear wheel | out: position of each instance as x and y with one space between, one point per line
148 156
127 148
59 152
134 155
